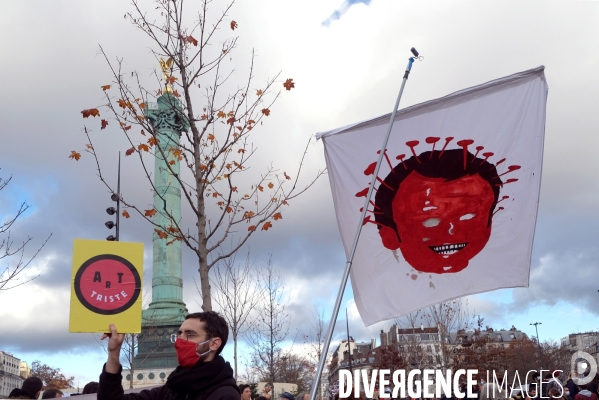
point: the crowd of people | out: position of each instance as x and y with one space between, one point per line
32 389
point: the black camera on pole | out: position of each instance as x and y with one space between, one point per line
111 210
111 224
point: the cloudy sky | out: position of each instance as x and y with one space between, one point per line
347 59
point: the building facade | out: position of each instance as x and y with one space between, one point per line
24 370
586 341
10 377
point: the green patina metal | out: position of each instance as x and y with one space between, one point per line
167 311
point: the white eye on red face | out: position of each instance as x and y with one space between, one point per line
432 222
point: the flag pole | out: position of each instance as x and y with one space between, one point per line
331 327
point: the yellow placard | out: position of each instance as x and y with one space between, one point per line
106 286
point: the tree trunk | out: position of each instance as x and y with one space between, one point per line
235 353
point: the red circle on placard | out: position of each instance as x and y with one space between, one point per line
107 284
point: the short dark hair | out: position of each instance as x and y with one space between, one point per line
214 325
242 387
32 385
448 164
261 398
90 388
50 393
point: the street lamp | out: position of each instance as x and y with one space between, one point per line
536 324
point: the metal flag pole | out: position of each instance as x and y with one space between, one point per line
348 345
331 327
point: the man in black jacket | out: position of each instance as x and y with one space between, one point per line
202 373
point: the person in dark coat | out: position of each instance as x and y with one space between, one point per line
30 389
202 373
572 387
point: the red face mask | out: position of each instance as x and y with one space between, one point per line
186 353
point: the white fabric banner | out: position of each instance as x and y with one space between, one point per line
456 198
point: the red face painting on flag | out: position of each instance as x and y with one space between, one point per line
437 207
455 199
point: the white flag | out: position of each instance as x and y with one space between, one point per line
456 198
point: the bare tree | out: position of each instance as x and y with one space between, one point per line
237 294
314 341
214 117
14 256
409 343
271 325
450 316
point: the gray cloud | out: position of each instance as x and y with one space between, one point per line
345 73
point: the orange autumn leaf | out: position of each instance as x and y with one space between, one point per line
241 151
176 94
221 114
126 214
233 25
285 202
171 79
277 216
150 213
259 92
122 103
127 127
139 117
152 141
130 151
75 156
211 137
143 147
161 234
266 111
267 226
172 229
192 40
104 124
260 188
142 105
286 176
105 87
231 121
143 133
252 228
229 209
172 162
270 185
90 112
234 189
289 84
89 146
